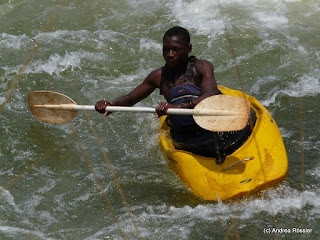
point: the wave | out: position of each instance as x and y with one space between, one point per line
20 233
15 42
282 200
201 16
308 85
56 63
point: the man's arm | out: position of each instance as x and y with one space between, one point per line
208 83
139 93
150 83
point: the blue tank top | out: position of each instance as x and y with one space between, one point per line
185 92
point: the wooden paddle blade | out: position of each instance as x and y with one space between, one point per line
52 116
236 114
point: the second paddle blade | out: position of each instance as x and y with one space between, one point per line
236 118
52 116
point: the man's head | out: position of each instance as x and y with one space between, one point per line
176 47
180 32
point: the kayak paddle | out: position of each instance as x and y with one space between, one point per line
217 113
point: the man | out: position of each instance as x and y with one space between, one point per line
184 81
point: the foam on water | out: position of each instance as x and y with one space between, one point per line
2 99
146 44
13 41
276 201
271 20
307 86
201 16
99 39
7 197
57 64
205 16
20 233
272 204
316 171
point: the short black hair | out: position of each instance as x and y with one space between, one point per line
178 31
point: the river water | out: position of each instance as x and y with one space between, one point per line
55 181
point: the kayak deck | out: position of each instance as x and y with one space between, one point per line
259 163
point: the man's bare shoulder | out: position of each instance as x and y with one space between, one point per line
154 77
201 64
204 67
156 73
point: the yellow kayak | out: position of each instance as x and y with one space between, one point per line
259 163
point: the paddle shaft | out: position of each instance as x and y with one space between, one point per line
219 113
176 111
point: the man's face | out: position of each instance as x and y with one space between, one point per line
175 51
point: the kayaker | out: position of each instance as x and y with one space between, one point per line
184 81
